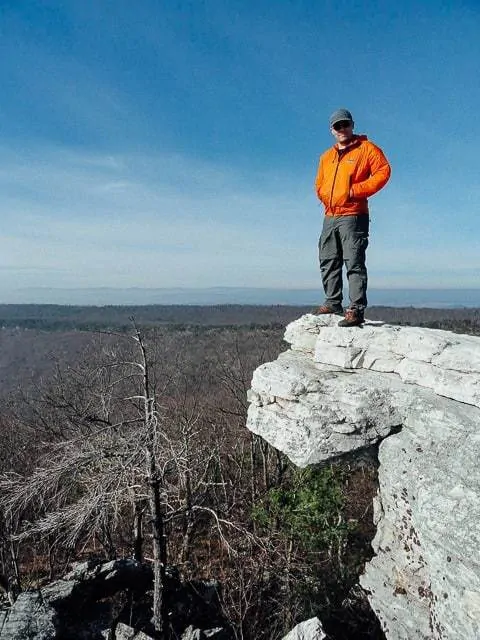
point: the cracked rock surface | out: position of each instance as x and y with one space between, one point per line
417 393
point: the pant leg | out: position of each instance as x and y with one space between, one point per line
353 231
331 262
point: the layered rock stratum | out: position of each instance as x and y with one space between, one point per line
415 393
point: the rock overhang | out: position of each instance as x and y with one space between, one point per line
339 390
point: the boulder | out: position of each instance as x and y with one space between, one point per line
31 618
308 630
125 632
415 394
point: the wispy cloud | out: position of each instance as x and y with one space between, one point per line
92 220
76 219
73 219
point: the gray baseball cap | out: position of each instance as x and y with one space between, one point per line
339 115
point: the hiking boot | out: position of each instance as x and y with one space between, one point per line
353 318
323 309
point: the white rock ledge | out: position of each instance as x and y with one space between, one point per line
337 390
446 362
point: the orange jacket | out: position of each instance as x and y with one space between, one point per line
347 177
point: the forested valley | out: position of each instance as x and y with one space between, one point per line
123 435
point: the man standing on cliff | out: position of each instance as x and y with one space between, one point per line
348 173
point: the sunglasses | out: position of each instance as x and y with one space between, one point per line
343 124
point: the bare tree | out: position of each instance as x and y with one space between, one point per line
123 440
102 462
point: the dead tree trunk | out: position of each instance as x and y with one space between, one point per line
154 492
159 548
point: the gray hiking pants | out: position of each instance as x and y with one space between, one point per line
344 239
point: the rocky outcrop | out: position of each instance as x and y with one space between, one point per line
416 393
73 606
80 607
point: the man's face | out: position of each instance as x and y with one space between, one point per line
342 131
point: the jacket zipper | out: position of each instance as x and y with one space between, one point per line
334 178
340 155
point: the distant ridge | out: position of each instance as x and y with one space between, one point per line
431 298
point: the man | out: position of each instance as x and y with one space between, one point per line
348 173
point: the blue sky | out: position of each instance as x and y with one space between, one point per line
175 144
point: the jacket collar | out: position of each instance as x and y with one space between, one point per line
355 142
